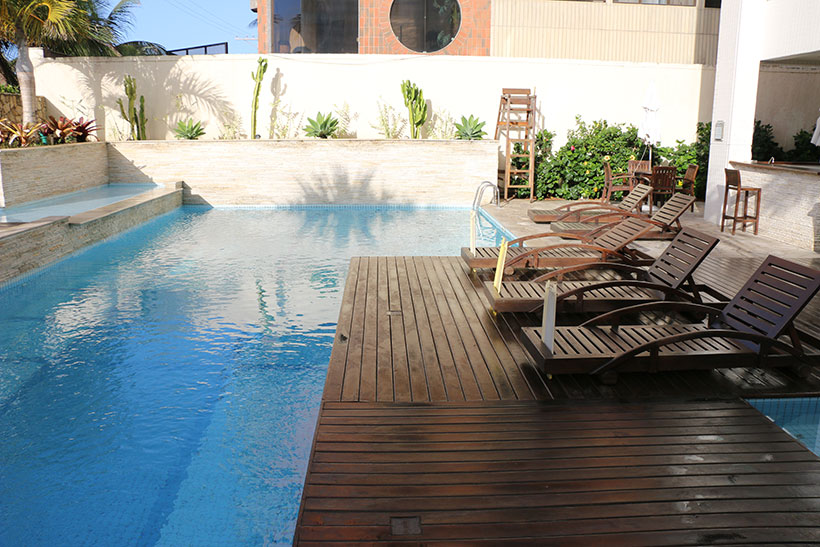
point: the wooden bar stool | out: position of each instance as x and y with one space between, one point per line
733 183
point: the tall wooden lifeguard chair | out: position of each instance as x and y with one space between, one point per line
516 123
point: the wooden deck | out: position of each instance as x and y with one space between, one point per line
435 426
557 473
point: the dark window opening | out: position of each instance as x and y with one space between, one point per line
316 26
425 25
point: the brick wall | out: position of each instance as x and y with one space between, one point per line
40 243
376 34
28 174
420 172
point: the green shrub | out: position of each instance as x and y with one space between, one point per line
803 149
543 151
470 129
682 154
188 130
323 127
764 147
576 170
7 88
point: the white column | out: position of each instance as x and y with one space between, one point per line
736 75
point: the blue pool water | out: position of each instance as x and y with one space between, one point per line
800 416
162 387
73 203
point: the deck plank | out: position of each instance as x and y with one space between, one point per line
647 472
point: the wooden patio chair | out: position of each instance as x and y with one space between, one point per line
610 244
628 182
687 181
668 278
663 183
746 331
580 209
666 220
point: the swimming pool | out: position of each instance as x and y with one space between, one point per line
67 205
162 387
800 416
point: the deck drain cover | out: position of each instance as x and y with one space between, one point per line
405 526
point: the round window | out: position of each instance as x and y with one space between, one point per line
425 25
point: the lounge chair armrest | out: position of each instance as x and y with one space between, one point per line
605 318
521 240
559 273
765 343
535 251
669 291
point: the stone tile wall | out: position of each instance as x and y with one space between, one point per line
29 174
789 206
11 107
420 172
38 244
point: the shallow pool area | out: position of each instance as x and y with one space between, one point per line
162 387
800 416
74 203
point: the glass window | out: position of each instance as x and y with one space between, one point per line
712 3
425 25
316 26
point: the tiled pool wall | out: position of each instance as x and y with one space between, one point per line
800 416
28 247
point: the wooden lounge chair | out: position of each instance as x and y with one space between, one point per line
744 332
578 210
666 220
668 278
609 244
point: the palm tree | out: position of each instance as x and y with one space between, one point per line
34 22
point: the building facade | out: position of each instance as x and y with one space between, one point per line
660 31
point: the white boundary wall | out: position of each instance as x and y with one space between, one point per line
217 90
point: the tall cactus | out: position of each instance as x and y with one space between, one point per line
416 107
136 119
257 77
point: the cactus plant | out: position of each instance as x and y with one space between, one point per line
257 77
136 119
416 107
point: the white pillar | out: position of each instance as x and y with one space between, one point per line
736 75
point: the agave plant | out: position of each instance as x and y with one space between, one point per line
84 129
59 129
324 126
189 130
470 129
21 135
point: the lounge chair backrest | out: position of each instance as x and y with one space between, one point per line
732 177
635 197
681 258
772 297
638 166
622 234
691 173
663 178
673 208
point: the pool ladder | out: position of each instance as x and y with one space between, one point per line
479 193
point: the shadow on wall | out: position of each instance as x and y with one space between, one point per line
192 94
341 187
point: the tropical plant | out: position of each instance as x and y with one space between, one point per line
188 130
60 130
7 88
21 135
576 169
470 129
323 127
284 122
764 146
83 130
390 125
345 121
261 68
416 107
135 118
803 149
441 125
44 22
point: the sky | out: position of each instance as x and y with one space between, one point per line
186 23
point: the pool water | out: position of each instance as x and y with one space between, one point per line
162 387
800 416
67 205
